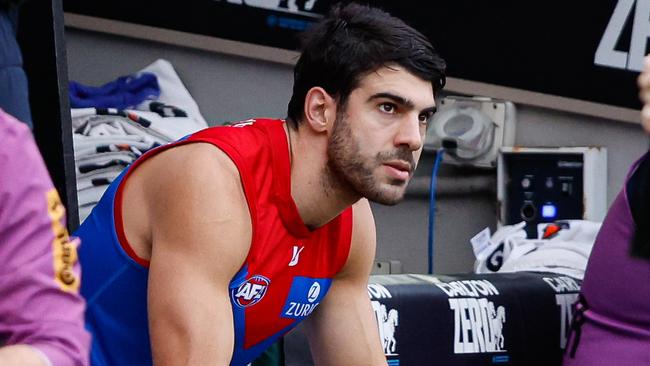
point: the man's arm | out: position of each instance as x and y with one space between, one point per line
201 233
343 330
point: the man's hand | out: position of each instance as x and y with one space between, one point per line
644 93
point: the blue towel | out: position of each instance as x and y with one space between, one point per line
124 93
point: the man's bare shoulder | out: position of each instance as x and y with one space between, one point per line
187 194
193 168
363 243
197 160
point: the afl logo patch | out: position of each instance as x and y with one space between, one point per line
250 292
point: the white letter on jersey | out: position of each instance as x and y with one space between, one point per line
295 257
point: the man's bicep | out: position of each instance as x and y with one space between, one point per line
201 232
190 318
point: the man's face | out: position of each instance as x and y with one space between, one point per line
377 139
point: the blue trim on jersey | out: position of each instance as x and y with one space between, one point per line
238 313
114 285
242 357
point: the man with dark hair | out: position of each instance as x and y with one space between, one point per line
207 250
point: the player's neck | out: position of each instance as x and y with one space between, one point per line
317 202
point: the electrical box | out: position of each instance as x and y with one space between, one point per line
538 185
471 130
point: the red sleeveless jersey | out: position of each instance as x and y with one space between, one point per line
286 274
289 268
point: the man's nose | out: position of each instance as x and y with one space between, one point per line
410 133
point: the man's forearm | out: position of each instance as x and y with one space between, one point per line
21 355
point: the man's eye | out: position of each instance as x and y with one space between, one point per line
425 117
387 108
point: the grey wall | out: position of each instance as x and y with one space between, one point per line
234 88
402 231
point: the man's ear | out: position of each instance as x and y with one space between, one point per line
320 109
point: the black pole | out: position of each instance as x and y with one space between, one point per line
41 39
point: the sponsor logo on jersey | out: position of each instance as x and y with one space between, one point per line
250 292
64 251
478 322
304 296
566 294
295 257
313 293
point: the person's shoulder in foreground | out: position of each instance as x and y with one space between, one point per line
611 321
41 312
216 245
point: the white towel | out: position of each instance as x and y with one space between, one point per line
107 142
173 92
502 242
565 253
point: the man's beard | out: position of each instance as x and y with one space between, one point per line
348 170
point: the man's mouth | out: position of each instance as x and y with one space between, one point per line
398 169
